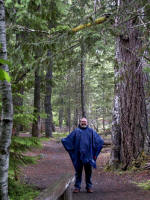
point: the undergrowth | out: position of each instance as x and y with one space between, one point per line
18 191
144 185
19 146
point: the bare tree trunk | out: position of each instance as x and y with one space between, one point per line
69 116
147 88
76 116
116 130
7 113
103 114
36 122
133 118
48 94
83 60
77 101
61 111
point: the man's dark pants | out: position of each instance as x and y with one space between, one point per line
88 174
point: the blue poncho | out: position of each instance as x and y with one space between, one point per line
83 145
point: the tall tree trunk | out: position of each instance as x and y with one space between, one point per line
147 89
48 94
61 111
77 100
83 60
75 120
36 122
60 117
103 114
116 130
7 113
133 119
69 116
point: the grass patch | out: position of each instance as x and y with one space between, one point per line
42 139
59 135
55 135
144 185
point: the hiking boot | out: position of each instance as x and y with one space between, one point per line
89 190
76 190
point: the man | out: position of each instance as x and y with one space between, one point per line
83 146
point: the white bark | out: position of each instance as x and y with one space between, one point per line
116 131
7 113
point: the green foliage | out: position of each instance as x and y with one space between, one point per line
146 70
23 118
4 75
19 146
19 191
58 135
144 185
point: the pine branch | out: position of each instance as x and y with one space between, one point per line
73 30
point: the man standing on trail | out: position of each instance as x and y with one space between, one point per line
83 145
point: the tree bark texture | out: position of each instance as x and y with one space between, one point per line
76 118
133 119
36 123
77 100
61 111
83 60
147 89
48 94
68 122
116 131
7 113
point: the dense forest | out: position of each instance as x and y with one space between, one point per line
63 60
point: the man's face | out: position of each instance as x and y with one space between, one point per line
83 122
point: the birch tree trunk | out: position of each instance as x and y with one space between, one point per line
36 122
7 113
133 117
48 94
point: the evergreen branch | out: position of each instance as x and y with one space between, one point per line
26 29
72 47
22 76
73 30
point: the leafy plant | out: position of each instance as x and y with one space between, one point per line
18 148
18 191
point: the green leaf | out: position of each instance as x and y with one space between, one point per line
4 76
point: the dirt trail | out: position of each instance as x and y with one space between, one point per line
107 186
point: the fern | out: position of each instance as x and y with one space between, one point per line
18 158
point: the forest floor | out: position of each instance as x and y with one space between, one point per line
55 162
